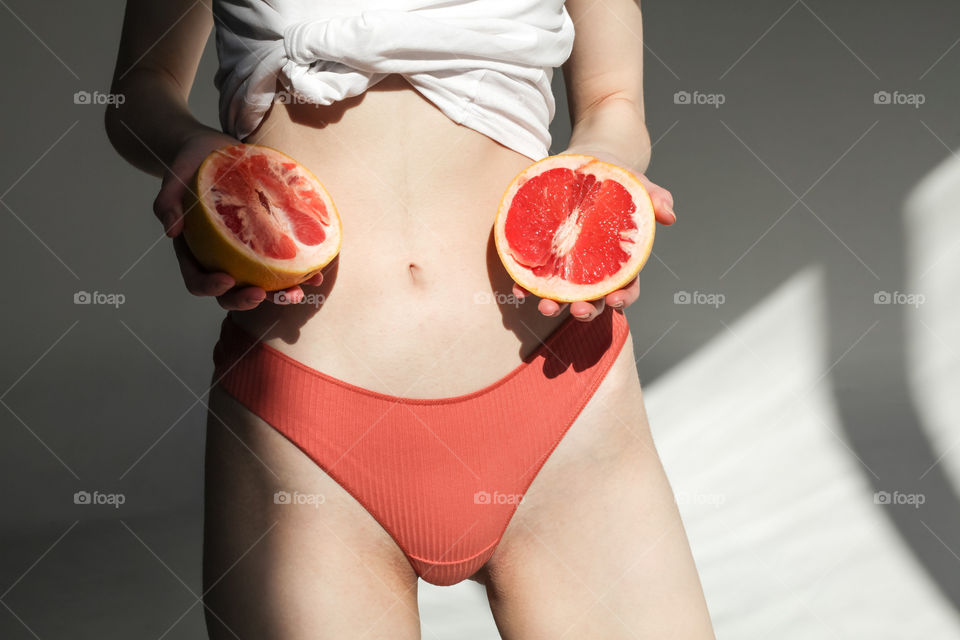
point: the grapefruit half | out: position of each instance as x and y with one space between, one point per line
260 216
571 227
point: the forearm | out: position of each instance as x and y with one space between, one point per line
615 126
153 121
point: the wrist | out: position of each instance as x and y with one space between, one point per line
615 129
182 131
190 133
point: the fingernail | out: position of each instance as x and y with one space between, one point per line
583 316
617 305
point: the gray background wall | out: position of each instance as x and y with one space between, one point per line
103 398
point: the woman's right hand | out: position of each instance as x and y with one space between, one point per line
168 207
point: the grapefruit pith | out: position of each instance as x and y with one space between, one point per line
572 227
260 216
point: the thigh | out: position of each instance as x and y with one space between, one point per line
308 563
597 548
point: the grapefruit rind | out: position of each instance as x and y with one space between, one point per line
216 248
555 287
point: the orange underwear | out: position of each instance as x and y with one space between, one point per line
443 476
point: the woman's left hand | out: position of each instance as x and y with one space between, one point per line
587 310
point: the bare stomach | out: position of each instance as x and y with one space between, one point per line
417 304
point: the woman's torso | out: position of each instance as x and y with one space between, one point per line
417 304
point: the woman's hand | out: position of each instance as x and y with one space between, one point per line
168 207
587 310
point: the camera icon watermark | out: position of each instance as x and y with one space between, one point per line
498 297
285 97
714 100
485 497
312 299
914 100
897 498
114 500
296 498
99 98
700 298
110 299
898 297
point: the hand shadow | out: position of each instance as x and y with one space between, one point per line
546 341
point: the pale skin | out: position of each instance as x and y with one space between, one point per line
597 548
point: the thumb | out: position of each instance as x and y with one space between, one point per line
662 203
168 205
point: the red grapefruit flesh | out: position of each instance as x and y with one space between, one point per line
260 216
572 227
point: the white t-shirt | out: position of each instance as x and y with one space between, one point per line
486 64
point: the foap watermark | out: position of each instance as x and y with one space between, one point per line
285 97
99 98
899 98
899 297
912 499
98 297
699 98
699 297
297 498
486 497
312 299
498 297
692 497
95 497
